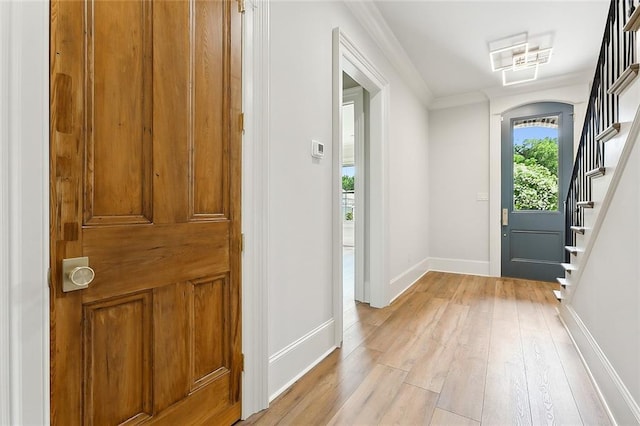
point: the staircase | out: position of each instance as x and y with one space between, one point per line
611 110
600 289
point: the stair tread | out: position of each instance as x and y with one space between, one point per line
608 133
585 204
597 172
579 229
569 267
626 77
573 249
563 282
633 23
558 294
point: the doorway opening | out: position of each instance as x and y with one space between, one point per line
374 227
353 211
537 155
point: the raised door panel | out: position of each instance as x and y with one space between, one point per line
117 348
209 159
210 338
118 112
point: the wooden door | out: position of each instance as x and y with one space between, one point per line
145 182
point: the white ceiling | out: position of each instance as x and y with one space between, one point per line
448 41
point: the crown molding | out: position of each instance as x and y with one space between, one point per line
584 77
492 93
458 100
373 22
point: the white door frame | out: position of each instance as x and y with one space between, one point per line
347 57
355 96
5 305
24 210
255 207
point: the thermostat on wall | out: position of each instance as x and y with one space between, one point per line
317 149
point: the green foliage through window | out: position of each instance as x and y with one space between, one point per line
535 174
348 183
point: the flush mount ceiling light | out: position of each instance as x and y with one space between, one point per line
503 58
521 74
532 57
518 62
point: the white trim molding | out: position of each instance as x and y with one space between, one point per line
347 57
301 355
255 211
459 266
5 305
355 95
404 281
24 212
371 19
458 100
619 402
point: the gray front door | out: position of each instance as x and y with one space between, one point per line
537 155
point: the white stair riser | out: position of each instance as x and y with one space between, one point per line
613 148
628 101
581 239
590 216
599 187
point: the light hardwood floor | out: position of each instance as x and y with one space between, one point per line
452 350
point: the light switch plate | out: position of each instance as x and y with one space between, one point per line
317 149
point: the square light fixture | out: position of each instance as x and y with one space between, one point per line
531 57
521 74
502 58
518 62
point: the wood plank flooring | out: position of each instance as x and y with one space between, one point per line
453 350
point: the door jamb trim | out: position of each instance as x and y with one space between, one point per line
348 57
24 212
356 96
255 207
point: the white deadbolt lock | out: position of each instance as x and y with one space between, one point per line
76 274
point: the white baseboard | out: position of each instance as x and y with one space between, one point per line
615 395
294 361
402 282
459 266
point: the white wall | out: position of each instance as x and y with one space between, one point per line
458 173
409 195
300 232
464 152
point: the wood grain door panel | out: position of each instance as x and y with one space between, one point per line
111 374
118 112
145 182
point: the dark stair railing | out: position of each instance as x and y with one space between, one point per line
617 53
